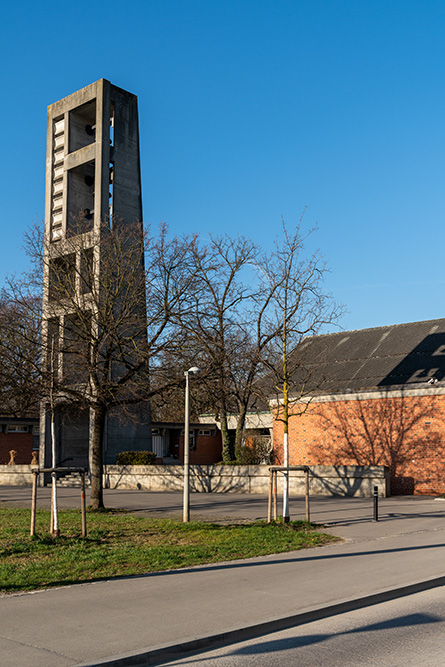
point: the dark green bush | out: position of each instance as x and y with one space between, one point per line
135 458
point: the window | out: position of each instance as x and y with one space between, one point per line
81 196
62 277
82 126
17 428
76 346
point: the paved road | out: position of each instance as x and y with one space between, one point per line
408 632
350 517
88 623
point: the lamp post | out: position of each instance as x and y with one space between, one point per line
186 505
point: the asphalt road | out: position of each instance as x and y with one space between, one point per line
404 632
348 517
153 615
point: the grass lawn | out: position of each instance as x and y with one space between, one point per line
120 544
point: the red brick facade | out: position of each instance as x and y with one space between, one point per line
207 450
20 442
405 433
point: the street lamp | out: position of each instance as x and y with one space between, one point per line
186 509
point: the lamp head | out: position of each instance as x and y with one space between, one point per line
194 369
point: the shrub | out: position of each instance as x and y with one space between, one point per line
135 458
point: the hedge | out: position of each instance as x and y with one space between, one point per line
135 458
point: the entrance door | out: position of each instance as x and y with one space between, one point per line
157 441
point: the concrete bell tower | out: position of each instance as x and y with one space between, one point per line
92 180
92 162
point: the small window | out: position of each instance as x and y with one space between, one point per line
205 431
17 428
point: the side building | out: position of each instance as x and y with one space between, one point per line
20 436
374 397
93 185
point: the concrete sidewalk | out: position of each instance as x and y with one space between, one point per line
139 618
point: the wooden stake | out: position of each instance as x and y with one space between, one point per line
84 512
34 503
51 524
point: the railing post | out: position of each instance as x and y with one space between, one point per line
308 514
376 503
82 502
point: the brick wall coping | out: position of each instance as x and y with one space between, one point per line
431 390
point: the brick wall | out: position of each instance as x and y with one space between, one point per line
208 449
21 442
407 434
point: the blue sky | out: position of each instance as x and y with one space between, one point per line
251 110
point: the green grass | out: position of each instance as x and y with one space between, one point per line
120 544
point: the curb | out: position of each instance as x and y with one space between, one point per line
166 653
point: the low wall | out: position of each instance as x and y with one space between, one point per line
17 475
324 480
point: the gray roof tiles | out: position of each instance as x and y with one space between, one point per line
395 355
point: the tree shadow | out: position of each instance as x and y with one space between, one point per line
340 485
403 433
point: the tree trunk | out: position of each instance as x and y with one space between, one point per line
240 423
226 448
96 497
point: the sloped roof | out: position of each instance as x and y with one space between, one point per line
396 355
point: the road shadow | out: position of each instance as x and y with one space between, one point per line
279 646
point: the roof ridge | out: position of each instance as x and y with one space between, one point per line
383 326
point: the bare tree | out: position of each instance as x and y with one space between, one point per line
293 306
216 322
123 334
19 356
248 313
167 405
109 313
